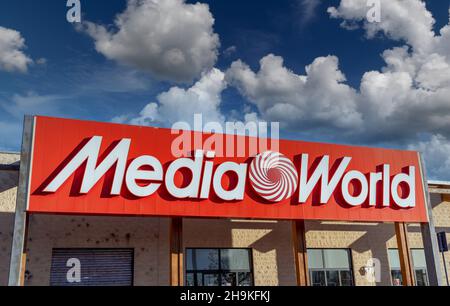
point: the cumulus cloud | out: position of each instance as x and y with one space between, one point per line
398 104
408 96
179 104
410 93
408 20
171 39
318 99
12 57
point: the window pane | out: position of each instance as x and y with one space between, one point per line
397 279
203 259
336 259
245 279
318 278
190 279
333 278
210 279
189 258
315 260
218 267
234 259
229 279
394 260
421 277
346 278
418 256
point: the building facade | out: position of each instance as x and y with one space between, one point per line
216 251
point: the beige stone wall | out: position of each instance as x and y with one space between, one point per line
8 190
441 214
148 236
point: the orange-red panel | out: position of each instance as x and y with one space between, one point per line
56 139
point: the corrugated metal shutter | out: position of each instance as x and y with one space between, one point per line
99 267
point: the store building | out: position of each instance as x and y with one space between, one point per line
137 248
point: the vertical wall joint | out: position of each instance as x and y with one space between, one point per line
300 252
406 265
176 252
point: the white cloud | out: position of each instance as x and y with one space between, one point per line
443 40
408 20
171 39
436 153
313 101
398 103
408 96
178 104
12 57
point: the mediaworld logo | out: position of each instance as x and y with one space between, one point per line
272 176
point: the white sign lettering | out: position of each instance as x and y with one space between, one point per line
271 174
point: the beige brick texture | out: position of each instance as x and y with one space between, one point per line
147 236
8 190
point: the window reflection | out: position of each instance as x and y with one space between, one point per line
419 263
330 267
218 267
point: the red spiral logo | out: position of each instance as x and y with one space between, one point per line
273 176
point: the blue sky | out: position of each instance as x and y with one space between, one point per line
68 75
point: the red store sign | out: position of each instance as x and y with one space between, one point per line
92 168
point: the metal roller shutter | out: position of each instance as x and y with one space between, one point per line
98 267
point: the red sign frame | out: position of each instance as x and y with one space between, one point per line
56 140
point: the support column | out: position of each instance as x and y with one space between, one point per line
429 237
401 232
17 263
176 252
24 253
300 252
